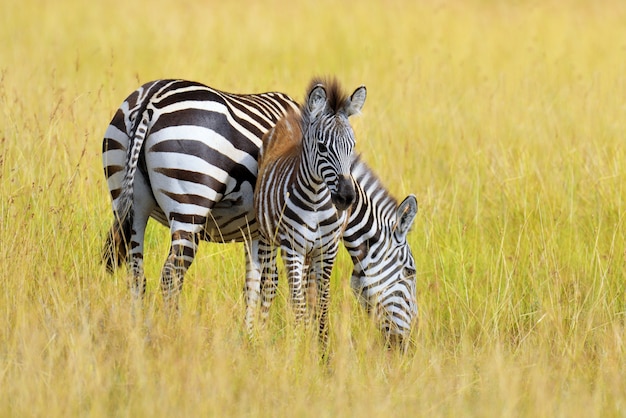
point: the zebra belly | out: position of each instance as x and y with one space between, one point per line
231 219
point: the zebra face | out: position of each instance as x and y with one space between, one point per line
334 157
387 290
384 279
331 141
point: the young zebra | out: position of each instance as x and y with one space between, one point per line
302 192
375 237
199 131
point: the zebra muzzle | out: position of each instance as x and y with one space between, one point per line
345 195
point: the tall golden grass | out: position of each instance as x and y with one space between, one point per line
506 119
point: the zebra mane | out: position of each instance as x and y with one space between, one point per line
284 139
365 177
336 97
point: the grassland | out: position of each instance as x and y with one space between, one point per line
506 120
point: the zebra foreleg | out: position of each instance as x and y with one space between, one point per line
310 292
294 263
252 288
182 252
321 269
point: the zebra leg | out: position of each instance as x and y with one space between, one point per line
252 288
294 263
321 269
182 252
137 281
310 291
269 277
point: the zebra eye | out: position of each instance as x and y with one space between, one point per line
409 271
322 147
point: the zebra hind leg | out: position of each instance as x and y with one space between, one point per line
115 251
137 281
138 220
182 252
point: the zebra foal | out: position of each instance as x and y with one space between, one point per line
303 190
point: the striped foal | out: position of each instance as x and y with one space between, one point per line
384 274
302 192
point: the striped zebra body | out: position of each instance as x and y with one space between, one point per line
303 190
235 127
186 155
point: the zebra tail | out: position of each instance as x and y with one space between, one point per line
125 200
117 244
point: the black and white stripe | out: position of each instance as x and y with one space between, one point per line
196 132
303 190
384 269
186 155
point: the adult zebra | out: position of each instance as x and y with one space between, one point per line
195 149
204 145
302 192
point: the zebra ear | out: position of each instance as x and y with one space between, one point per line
355 103
405 215
316 102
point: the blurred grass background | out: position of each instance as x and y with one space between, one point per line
507 121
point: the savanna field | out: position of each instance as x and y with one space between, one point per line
507 120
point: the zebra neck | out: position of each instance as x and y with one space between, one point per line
371 216
363 229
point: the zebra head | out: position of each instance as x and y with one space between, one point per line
329 138
384 275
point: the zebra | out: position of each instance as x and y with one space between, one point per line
184 154
384 273
303 190
200 131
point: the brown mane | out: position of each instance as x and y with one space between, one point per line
283 140
335 95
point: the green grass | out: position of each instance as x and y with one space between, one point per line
505 119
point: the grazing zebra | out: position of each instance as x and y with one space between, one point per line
384 271
303 190
196 132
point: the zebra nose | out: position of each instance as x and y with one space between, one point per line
345 194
